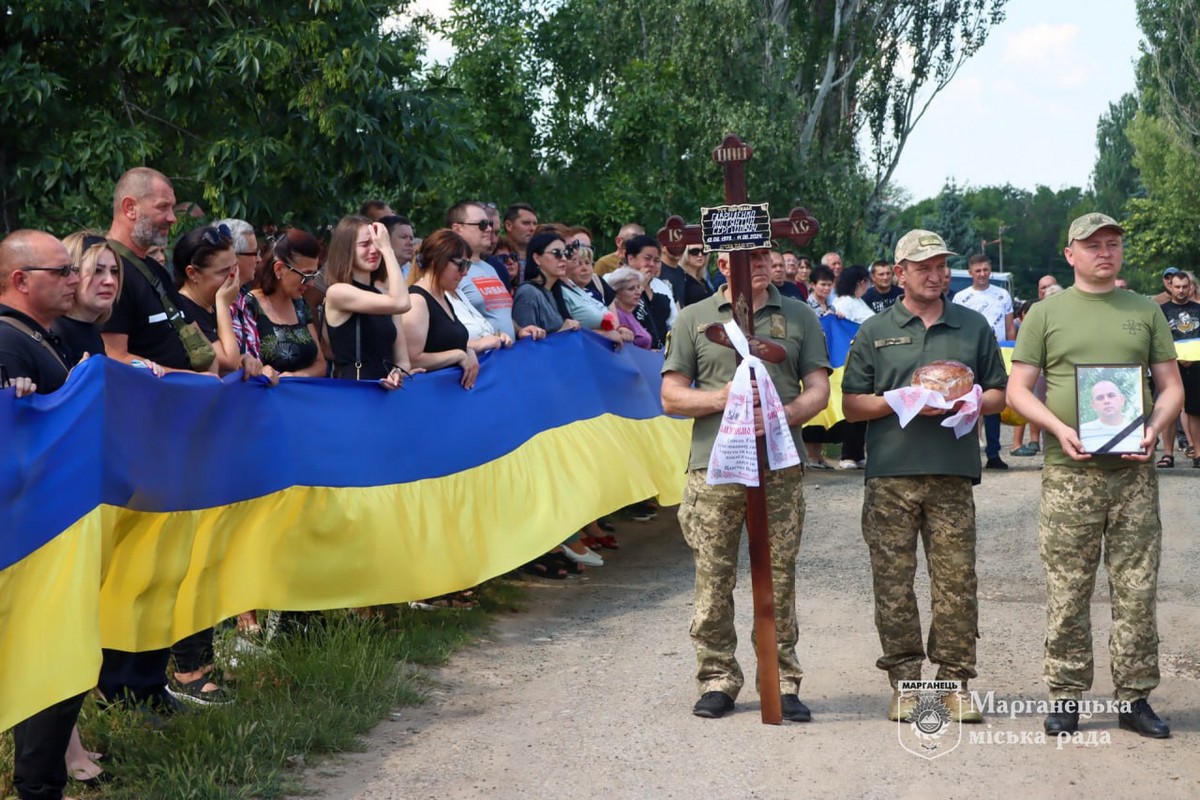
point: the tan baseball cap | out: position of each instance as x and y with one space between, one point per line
920 245
1088 224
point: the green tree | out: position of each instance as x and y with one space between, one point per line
1115 179
1172 46
1162 225
269 110
627 100
954 221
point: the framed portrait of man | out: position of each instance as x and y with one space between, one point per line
1111 413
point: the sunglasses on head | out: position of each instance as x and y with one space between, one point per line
62 272
217 235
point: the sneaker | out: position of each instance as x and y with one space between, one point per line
846 463
995 463
642 512
961 707
902 706
193 692
1024 450
713 705
1142 720
860 464
793 709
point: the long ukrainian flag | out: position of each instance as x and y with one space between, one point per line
135 511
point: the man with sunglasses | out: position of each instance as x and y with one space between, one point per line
37 285
481 286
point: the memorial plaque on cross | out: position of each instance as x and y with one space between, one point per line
738 228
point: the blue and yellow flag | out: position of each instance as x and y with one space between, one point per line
135 510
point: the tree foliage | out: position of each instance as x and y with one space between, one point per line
610 108
269 110
1172 46
1115 179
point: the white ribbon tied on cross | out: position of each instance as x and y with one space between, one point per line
908 401
734 457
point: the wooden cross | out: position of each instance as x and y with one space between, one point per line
799 227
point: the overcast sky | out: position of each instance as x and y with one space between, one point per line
1024 109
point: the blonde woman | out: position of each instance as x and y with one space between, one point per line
100 279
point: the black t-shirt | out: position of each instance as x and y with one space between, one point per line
881 302
206 320
25 357
139 314
653 317
1183 319
694 291
78 338
673 277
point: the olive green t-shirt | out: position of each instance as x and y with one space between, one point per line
1074 327
888 348
708 365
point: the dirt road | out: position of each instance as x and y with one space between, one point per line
588 692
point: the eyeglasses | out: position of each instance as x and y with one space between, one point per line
482 224
695 251
247 253
64 271
305 277
216 236
463 264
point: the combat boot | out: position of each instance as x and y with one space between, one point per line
961 707
902 706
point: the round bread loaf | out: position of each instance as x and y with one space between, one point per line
952 379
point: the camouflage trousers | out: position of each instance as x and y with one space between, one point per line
1086 512
941 510
712 518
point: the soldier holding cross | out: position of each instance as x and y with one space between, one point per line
696 383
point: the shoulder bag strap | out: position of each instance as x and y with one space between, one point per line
37 337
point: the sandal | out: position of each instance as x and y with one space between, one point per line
1166 462
1190 452
546 566
608 542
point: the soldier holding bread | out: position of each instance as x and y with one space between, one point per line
920 475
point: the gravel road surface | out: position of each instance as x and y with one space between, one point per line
587 691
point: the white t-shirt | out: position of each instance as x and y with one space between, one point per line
853 309
993 302
1096 434
476 324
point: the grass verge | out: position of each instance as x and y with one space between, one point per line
304 695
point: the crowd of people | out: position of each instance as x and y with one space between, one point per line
376 303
